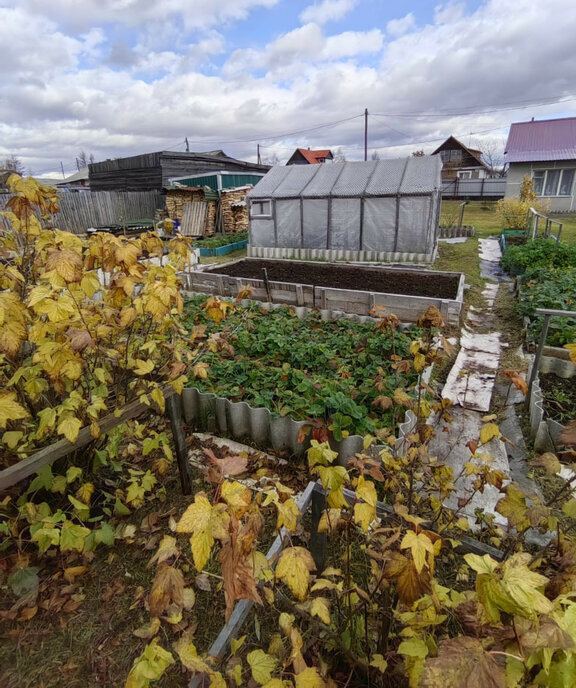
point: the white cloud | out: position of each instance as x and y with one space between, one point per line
118 92
398 27
327 10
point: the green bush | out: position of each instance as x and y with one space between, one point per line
537 254
217 241
549 288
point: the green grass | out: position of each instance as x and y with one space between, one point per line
483 216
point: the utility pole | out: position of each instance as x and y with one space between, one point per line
258 150
187 145
365 134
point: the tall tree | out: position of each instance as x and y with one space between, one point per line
83 160
13 164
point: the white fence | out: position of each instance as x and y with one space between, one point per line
83 209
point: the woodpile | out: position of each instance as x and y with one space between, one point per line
234 209
176 198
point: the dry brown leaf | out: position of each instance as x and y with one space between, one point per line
167 588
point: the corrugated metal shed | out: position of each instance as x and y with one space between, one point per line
220 180
414 175
543 140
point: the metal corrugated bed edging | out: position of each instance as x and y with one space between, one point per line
546 431
208 412
339 254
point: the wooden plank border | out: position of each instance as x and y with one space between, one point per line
23 469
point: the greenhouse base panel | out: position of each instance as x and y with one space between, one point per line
359 289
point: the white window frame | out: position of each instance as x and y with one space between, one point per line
561 171
265 209
465 174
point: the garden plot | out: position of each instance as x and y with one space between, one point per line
351 288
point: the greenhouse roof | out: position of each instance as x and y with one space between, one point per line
406 176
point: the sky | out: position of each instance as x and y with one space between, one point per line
115 78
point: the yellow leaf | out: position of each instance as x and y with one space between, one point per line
158 397
309 678
206 523
236 644
329 520
294 568
166 550
365 513
333 479
321 608
73 572
149 630
200 370
262 665
142 367
70 427
10 409
149 666
418 546
237 496
288 514
90 284
379 663
189 656
167 589
488 432
85 492
65 263
11 438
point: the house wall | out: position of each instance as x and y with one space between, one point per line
518 170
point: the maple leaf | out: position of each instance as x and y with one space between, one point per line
463 662
65 263
10 409
288 514
206 523
166 550
418 546
489 432
70 427
365 513
237 496
72 536
294 566
167 589
143 367
261 665
320 607
309 678
513 507
149 666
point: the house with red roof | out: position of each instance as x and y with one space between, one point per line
546 151
305 156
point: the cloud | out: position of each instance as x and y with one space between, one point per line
113 90
327 10
398 27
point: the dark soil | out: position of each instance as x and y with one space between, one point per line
559 397
358 278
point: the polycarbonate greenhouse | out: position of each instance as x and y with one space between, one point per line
382 210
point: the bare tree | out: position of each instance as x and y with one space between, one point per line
13 164
83 160
271 160
375 155
492 155
339 155
418 153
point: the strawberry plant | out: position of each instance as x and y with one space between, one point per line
343 373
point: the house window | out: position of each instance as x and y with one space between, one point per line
261 208
451 156
553 182
465 174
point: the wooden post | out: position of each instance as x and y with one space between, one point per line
318 540
174 411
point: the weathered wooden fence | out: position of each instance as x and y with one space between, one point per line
80 210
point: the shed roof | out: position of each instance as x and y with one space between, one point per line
413 175
537 141
315 156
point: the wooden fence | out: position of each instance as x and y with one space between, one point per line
80 210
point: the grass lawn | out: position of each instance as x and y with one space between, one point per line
483 216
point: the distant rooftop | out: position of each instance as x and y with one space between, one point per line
546 139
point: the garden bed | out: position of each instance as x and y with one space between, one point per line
274 377
351 288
